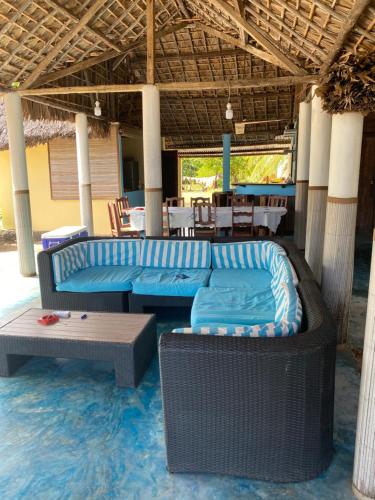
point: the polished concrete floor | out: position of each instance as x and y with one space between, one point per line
67 432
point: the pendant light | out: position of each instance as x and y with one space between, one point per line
97 108
229 110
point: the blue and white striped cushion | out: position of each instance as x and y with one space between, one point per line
288 305
69 260
277 329
114 252
176 254
280 270
245 255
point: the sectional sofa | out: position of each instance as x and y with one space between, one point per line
248 387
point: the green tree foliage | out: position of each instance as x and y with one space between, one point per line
250 169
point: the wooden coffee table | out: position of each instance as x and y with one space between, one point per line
128 340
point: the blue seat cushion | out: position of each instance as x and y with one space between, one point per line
101 279
171 282
256 279
238 306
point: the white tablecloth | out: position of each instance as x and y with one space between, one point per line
184 217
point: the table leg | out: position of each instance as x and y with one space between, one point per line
9 363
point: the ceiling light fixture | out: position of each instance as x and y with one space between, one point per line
97 108
229 110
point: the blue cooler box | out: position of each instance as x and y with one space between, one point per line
61 234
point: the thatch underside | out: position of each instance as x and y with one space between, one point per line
205 43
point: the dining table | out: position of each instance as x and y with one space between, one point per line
183 217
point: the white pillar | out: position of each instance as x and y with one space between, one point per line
302 182
152 160
84 178
320 144
21 195
364 459
338 253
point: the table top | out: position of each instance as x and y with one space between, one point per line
97 327
64 231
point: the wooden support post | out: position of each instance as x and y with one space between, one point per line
21 196
302 183
338 253
150 42
84 178
318 185
226 161
152 160
364 458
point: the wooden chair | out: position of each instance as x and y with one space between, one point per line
242 216
166 229
123 206
200 199
278 201
118 228
175 201
204 219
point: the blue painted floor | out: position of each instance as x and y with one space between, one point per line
67 432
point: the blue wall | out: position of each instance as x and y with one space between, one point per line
259 189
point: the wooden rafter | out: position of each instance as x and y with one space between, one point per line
150 10
62 44
106 56
238 5
256 34
355 13
238 43
95 32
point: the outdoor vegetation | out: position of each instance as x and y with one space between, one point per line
205 174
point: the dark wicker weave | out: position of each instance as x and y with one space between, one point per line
258 408
80 301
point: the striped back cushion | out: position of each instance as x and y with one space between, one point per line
176 254
288 304
276 329
69 260
245 255
114 252
280 270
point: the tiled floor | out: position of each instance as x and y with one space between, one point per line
67 432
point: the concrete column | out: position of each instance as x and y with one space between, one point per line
152 160
302 184
226 161
364 459
21 195
320 144
339 236
84 178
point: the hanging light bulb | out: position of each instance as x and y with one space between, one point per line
229 110
97 108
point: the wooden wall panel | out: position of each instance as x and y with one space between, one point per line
366 189
104 164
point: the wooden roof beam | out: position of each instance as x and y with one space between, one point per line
258 36
351 20
282 81
150 35
62 44
106 56
238 5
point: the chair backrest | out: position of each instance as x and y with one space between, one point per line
166 230
114 218
278 201
175 201
198 200
204 217
122 204
242 214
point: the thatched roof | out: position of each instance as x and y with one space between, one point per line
200 40
39 131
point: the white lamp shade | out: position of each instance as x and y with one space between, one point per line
229 112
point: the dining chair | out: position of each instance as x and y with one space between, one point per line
118 228
278 201
204 219
166 229
199 199
242 216
123 206
175 201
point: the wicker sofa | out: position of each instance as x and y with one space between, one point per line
253 407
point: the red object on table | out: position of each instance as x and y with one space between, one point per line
48 319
